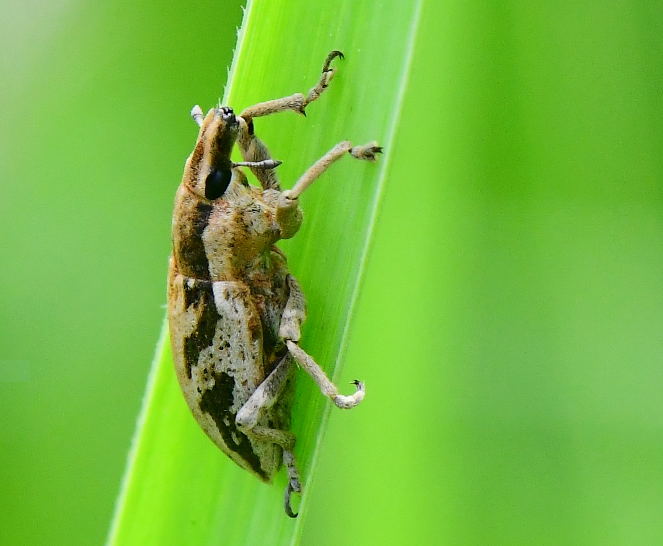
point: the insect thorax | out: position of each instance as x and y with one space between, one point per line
227 239
233 239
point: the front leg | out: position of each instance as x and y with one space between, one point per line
288 214
252 148
296 102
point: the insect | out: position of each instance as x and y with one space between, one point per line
234 309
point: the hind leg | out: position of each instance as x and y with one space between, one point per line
264 397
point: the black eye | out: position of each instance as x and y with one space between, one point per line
216 183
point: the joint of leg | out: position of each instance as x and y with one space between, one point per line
367 152
349 402
287 200
288 215
245 418
290 332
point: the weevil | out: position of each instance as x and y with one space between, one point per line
235 311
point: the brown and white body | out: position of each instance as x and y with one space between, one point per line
234 309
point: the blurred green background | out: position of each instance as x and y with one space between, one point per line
511 317
94 133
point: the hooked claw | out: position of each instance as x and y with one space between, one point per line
286 501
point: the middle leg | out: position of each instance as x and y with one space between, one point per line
293 316
318 375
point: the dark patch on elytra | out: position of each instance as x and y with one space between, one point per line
193 250
201 292
218 402
194 290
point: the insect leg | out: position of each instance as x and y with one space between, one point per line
294 485
367 152
326 386
294 313
296 102
288 215
264 397
252 148
327 74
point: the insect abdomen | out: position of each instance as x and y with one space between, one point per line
217 349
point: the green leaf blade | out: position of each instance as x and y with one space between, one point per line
180 488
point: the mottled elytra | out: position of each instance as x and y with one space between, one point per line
234 309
